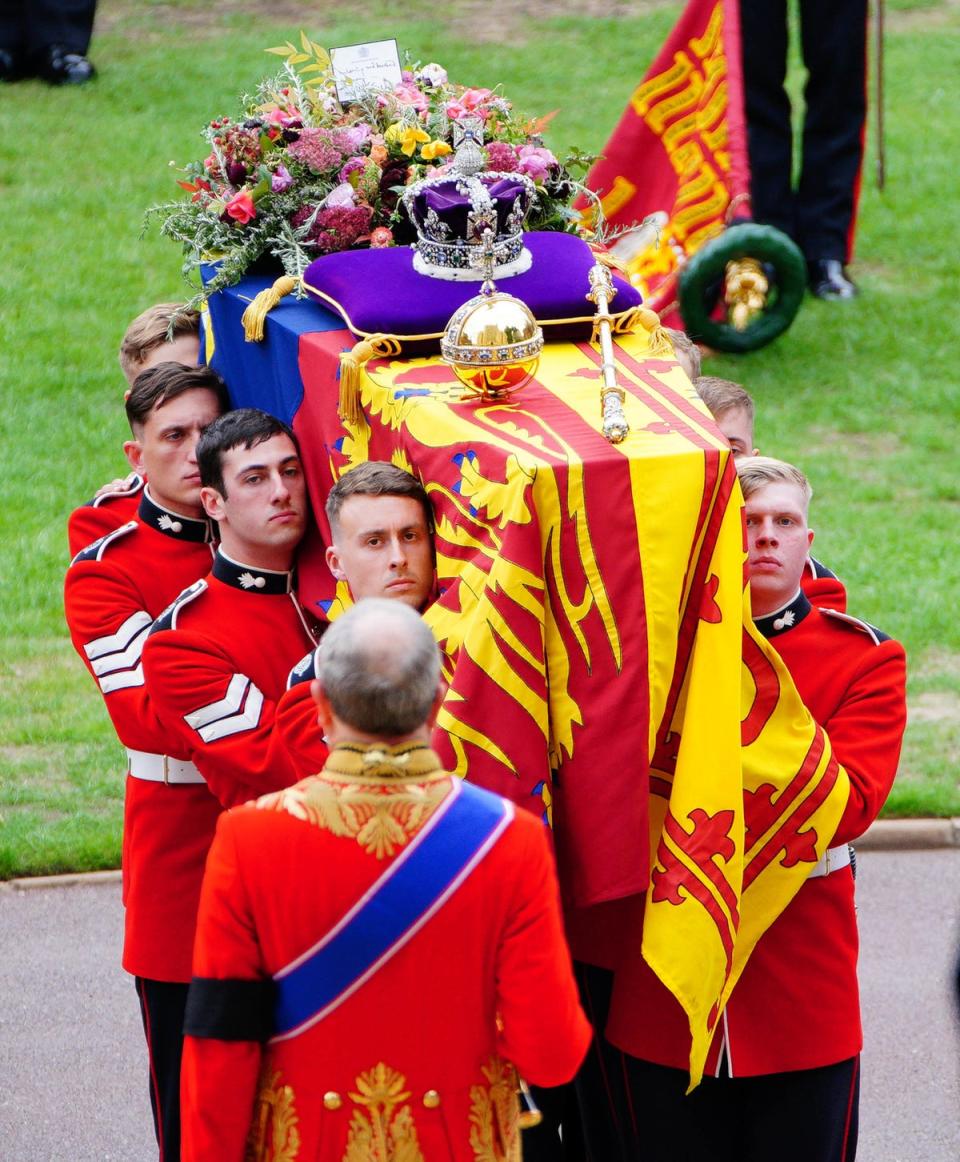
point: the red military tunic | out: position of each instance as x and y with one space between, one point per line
411 1066
217 662
797 1006
114 589
103 514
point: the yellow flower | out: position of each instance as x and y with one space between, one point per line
406 136
435 149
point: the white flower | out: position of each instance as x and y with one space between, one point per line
434 74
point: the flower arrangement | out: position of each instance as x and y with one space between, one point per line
298 174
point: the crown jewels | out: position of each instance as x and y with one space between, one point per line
453 212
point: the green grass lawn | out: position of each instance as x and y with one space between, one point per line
863 395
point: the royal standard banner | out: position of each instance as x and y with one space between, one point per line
679 150
603 667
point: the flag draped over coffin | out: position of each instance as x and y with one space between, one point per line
591 612
679 149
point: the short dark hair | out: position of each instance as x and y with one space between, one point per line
165 381
243 427
377 478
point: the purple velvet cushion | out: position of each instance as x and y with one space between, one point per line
376 291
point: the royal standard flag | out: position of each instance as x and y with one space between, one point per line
679 151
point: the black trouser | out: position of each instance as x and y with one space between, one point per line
26 26
162 1005
820 213
809 1115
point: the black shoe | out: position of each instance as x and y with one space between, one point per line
10 69
56 66
828 280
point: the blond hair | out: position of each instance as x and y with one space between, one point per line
757 472
723 395
686 351
151 329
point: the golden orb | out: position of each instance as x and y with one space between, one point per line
493 344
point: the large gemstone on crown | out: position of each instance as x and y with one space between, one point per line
451 215
493 344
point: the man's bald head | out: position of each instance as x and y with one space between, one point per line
379 668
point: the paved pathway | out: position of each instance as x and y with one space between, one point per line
72 1085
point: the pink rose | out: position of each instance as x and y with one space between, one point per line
409 94
241 207
380 237
536 162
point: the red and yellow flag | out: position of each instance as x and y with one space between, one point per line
679 151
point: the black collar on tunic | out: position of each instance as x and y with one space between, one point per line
174 524
785 619
250 579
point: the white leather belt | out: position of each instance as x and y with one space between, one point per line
833 859
160 768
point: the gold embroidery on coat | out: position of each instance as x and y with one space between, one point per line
379 818
383 1133
274 1136
494 1112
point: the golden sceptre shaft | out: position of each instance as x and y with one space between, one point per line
602 290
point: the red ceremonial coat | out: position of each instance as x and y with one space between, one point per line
114 589
102 515
797 1004
412 1065
217 662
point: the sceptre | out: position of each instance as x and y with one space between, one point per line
602 290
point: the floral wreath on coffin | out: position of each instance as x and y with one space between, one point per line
298 174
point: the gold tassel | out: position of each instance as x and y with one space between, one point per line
255 315
352 363
658 338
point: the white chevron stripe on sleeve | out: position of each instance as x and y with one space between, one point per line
121 681
236 723
120 641
238 710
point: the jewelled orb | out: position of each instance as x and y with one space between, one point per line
493 344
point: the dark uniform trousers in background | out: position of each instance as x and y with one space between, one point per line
820 214
27 26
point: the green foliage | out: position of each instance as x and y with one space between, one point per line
862 394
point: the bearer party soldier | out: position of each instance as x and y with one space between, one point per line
164 333
114 589
782 1078
217 660
381 529
380 947
732 406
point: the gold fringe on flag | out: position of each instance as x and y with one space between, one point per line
352 363
255 315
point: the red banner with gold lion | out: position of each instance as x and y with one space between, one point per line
679 150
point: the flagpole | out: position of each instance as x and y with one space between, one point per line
878 80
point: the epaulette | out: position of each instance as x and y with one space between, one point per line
168 619
876 635
95 551
304 671
135 486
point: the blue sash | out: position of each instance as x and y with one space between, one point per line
418 882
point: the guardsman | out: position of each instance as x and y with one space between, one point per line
164 333
114 589
379 947
381 526
782 1077
217 661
